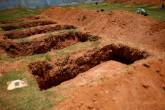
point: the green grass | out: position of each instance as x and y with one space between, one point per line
154 11
11 14
29 59
27 98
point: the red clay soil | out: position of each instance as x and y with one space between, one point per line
52 42
112 85
120 26
151 2
15 34
27 24
54 73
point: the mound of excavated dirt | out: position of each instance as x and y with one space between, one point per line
140 89
151 2
112 85
120 26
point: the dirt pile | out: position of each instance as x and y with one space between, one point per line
115 88
117 25
111 85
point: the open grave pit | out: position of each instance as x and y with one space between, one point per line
49 74
15 34
43 46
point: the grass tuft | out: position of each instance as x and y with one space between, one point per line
27 98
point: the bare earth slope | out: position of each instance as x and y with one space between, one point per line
112 85
120 26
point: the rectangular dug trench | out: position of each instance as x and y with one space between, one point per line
15 34
45 45
25 24
50 74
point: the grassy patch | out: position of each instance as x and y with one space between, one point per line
28 98
154 11
11 14
32 58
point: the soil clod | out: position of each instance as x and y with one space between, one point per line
146 65
145 86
